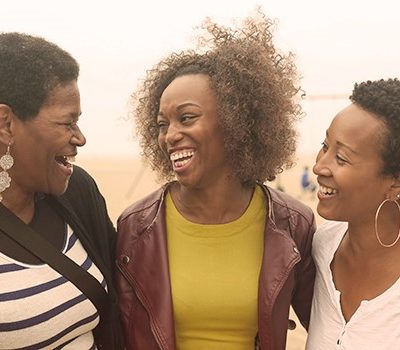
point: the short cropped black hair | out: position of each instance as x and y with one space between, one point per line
30 67
382 98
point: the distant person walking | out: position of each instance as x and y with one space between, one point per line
307 186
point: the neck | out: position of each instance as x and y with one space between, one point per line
22 205
212 205
362 237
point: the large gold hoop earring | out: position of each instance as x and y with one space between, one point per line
376 223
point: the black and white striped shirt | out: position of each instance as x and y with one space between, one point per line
40 309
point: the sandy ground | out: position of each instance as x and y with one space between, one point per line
124 180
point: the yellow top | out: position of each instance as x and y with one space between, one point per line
214 273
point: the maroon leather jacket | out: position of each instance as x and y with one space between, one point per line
286 277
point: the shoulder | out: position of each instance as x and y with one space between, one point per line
326 241
284 204
138 217
82 193
329 232
81 186
144 207
292 217
81 179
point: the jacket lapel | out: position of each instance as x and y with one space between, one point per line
150 277
280 255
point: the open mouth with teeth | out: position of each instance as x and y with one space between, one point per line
179 159
327 191
65 160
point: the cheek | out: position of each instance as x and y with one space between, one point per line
162 144
357 189
160 139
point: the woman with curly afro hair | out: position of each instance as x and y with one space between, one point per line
357 288
214 258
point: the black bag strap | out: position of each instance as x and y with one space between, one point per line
29 239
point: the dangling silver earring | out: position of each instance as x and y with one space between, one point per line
376 222
6 162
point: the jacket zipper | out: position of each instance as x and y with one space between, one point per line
139 296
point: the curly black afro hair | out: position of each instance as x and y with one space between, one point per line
255 88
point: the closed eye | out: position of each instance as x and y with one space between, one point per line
69 125
341 160
187 118
162 124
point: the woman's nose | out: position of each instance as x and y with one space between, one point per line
315 168
79 138
173 134
321 167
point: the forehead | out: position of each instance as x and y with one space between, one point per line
62 102
360 132
195 87
63 94
355 126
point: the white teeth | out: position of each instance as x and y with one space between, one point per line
179 155
327 190
70 159
181 163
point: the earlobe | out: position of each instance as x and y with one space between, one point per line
6 117
395 188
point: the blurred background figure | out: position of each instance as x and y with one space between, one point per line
308 187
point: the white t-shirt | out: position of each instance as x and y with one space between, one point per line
376 323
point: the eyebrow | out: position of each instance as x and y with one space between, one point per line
341 144
73 115
181 106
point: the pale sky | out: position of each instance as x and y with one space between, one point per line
336 43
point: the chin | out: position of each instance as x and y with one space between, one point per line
330 216
326 214
60 189
185 181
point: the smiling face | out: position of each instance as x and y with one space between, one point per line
349 167
189 133
42 146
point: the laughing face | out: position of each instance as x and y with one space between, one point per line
349 167
189 133
44 145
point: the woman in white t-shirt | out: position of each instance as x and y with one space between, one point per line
356 301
